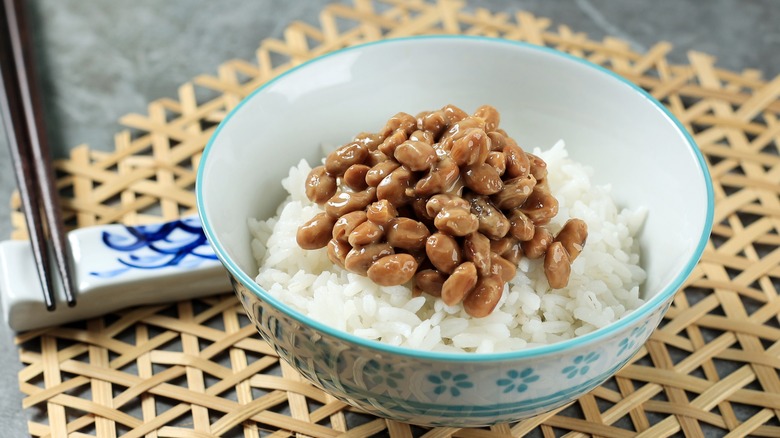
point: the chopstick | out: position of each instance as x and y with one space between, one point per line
23 119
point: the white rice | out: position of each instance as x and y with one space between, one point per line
603 287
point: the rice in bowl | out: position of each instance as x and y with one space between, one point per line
603 286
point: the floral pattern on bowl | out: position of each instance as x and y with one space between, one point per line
442 393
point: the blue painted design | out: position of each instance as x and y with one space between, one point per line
378 374
369 401
447 380
517 380
179 243
628 343
580 365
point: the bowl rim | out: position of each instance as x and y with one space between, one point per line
600 334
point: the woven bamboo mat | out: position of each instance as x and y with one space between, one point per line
197 368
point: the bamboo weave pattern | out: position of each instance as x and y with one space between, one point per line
197 368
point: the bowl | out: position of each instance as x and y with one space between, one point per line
630 140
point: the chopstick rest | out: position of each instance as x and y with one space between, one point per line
115 266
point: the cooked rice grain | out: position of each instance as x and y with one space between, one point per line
603 287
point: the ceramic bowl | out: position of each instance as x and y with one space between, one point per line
629 138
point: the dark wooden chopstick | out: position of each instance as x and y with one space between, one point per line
30 152
16 133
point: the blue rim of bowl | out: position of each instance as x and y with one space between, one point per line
649 306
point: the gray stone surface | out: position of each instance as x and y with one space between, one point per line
100 60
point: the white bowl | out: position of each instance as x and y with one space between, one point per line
630 140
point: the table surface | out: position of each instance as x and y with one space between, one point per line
101 60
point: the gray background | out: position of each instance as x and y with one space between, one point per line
102 59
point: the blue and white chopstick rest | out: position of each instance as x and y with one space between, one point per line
116 266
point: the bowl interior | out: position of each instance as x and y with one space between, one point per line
542 96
